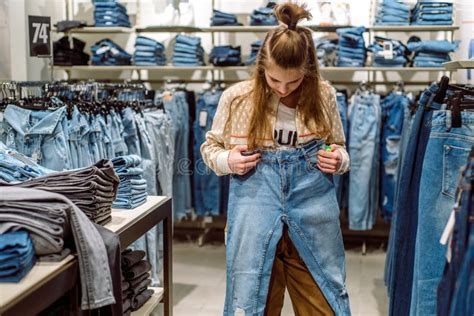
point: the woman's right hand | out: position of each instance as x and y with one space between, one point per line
242 164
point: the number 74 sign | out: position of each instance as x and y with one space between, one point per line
39 33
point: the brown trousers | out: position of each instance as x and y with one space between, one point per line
289 271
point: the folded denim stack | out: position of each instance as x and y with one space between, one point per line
188 51
225 55
396 56
17 167
136 279
326 51
110 13
64 55
221 18
431 53
17 256
255 48
132 188
92 189
51 219
264 15
351 51
392 12
432 13
149 52
108 53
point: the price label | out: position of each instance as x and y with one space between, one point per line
40 35
203 118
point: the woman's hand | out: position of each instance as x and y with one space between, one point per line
329 161
242 164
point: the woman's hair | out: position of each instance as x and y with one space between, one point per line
290 47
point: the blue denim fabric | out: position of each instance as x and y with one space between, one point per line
177 108
222 18
432 13
117 130
110 14
449 288
406 206
325 51
433 46
349 39
263 16
17 256
393 113
364 138
255 48
207 190
188 51
260 203
17 167
225 56
106 52
126 161
41 135
149 52
188 40
340 181
399 58
447 150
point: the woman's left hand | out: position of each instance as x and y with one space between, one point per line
329 161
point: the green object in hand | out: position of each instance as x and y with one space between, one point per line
327 148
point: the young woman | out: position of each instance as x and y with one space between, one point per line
280 137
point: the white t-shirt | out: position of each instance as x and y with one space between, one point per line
285 134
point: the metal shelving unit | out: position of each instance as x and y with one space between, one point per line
459 64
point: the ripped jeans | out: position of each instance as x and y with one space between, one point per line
285 188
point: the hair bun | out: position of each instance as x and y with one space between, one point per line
291 13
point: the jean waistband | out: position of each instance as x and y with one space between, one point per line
292 154
444 118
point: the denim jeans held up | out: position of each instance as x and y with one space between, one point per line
285 188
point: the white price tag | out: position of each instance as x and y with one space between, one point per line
102 50
387 50
34 157
448 230
208 219
114 51
203 118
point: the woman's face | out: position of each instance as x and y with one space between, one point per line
283 81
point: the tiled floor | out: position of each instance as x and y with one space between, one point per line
199 281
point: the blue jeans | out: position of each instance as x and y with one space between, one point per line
17 167
188 40
393 112
364 135
285 188
207 191
148 42
447 150
340 180
433 46
406 207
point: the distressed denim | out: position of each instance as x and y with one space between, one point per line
406 207
364 138
447 150
96 282
285 188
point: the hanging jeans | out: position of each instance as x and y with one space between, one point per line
364 135
406 207
447 151
285 188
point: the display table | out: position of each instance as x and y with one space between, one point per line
48 281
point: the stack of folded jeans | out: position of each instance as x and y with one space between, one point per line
110 13
431 53
108 53
432 13
221 18
17 256
132 188
255 48
392 12
188 51
136 279
50 219
92 189
264 16
395 57
64 55
351 51
225 55
17 167
326 51
149 52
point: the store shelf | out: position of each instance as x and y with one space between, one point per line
150 305
412 28
98 30
229 29
44 276
459 64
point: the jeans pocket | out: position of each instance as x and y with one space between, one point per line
453 159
